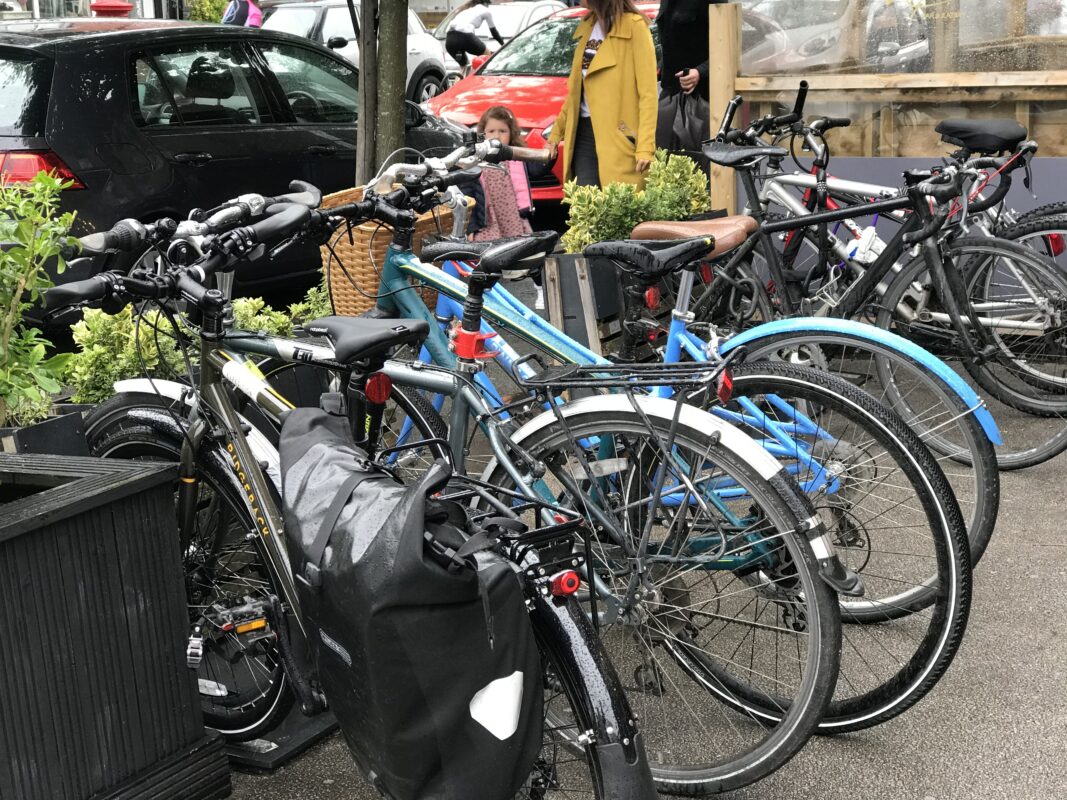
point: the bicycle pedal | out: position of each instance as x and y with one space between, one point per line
194 651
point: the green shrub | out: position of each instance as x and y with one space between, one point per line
34 232
675 188
107 344
207 10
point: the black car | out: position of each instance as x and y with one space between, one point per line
153 118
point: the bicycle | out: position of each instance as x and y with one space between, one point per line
787 438
767 533
230 520
875 271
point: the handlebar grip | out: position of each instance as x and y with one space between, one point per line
71 294
301 193
786 119
940 191
735 136
986 162
124 235
362 210
459 177
728 117
539 154
286 220
802 97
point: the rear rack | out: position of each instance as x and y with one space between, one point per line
688 375
555 542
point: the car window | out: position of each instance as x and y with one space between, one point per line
210 84
540 13
297 21
319 89
337 22
508 19
24 85
544 49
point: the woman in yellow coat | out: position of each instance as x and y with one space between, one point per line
608 122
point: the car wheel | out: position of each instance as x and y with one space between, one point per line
427 87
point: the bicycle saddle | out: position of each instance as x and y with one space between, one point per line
984 136
358 338
728 232
732 155
653 259
503 253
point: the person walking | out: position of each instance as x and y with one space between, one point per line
684 116
462 35
608 121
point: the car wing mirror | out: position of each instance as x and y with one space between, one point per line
478 61
414 116
336 42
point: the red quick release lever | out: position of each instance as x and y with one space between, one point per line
564 584
469 344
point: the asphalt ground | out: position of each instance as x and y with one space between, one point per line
995 725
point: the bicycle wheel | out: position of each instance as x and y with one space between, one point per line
892 519
730 617
1020 378
930 408
242 683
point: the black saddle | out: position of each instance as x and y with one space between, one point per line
986 136
652 259
361 338
495 256
732 155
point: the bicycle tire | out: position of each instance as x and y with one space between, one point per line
887 464
1027 442
1047 210
111 433
933 410
605 416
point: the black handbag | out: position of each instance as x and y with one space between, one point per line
684 123
419 630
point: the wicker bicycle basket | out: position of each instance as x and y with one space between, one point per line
353 267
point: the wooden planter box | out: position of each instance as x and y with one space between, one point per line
97 699
62 434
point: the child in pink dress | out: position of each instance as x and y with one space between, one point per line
507 201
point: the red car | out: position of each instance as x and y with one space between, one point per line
529 76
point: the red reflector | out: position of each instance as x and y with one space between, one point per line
705 272
1055 243
725 389
379 387
564 584
21 166
652 298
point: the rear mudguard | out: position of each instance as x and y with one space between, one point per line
262 449
563 627
859 330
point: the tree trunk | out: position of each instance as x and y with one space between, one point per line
366 164
392 76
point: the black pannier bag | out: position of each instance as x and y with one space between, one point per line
419 631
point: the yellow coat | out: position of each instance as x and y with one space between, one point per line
621 90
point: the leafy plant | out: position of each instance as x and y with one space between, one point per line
207 10
675 188
34 233
108 344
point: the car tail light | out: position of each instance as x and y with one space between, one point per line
21 166
1055 243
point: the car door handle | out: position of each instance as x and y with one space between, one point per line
196 159
322 150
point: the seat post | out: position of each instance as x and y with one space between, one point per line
685 293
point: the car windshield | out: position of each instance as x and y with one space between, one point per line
24 84
545 49
793 14
508 19
297 21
